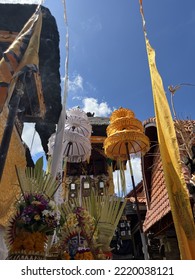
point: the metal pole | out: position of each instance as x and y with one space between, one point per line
13 108
143 239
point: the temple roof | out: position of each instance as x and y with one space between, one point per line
99 125
158 201
141 196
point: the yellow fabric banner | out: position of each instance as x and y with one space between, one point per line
169 149
20 57
9 186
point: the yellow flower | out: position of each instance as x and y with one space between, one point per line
37 217
28 241
66 256
36 202
84 256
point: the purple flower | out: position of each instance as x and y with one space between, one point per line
28 209
37 213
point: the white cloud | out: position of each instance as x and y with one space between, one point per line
31 138
76 97
92 24
90 87
76 84
137 174
75 87
100 109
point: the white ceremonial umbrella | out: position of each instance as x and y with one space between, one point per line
76 144
78 124
76 147
77 112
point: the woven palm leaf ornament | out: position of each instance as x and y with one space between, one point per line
77 233
36 217
100 217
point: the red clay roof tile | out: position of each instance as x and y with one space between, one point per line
159 201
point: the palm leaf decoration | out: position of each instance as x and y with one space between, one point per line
110 210
36 180
107 211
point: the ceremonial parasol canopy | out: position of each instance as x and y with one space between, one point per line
125 135
76 147
76 143
78 124
77 112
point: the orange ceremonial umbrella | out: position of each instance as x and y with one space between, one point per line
125 136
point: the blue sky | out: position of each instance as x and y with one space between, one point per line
108 65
